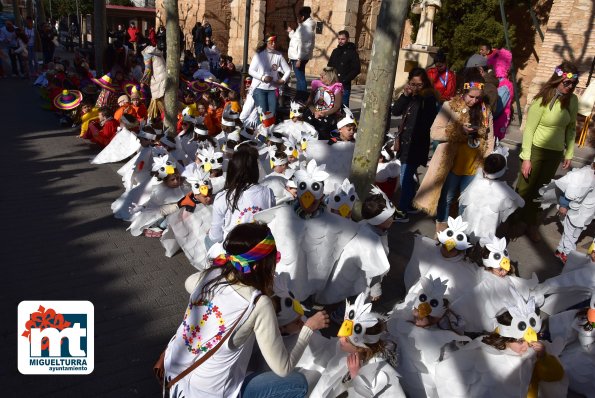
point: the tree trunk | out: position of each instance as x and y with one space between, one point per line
377 95
172 42
40 20
99 34
17 13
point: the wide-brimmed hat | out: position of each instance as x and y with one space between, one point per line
105 82
90 89
199 86
132 89
68 99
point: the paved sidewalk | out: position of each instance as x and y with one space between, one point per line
61 242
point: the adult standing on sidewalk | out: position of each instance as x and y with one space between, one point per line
346 62
443 79
301 48
30 32
265 67
8 38
547 139
133 32
198 37
48 45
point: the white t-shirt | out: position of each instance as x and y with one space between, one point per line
254 199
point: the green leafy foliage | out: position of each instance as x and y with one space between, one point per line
461 26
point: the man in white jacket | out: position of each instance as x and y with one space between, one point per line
301 48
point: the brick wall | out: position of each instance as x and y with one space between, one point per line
216 12
367 17
570 36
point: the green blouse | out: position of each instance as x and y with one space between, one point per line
553 129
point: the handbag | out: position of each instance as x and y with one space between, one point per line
159 367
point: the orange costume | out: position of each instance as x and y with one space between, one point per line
139 112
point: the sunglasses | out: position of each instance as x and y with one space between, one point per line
569 83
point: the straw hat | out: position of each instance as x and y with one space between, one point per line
68 99
199 86
131 89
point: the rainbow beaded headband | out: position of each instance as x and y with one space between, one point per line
568 75
471 85
241 262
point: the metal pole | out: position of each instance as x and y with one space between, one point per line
78 23
535 21
377 95
51 17
512 72
245 53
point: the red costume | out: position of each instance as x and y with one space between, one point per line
445 83
107 132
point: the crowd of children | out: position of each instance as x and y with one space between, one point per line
467 324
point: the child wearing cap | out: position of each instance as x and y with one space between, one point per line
346 128
139 109
124 107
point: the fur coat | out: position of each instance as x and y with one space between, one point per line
447 129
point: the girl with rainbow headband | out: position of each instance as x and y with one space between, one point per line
230 308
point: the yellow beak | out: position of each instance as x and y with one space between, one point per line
450 244
272 164
207 166
290 115
297 307
295 153
505 264
204 190
344 211
591 315
307 199
591 248
530 336
424 310
346 329
304 145
170 169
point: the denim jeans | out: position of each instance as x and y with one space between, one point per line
453 185
269 385
32 59
300 75
346 94
265 99
407 186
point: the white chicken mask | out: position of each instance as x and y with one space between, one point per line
290 307
341 201
348 119
210 159
430 300
290 147
163 166
200 182
387 212
304 140
358 318
498 256
454 236
294 110
525 322
310 184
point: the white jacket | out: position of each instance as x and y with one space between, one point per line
301 41
267 63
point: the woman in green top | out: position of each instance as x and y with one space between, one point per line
547 139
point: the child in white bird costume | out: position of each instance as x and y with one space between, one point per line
189 220
320 249
295 125
488 200
577 329
365 364
424 327
147 217
445 259
482 301
575 195
509 362
341 201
